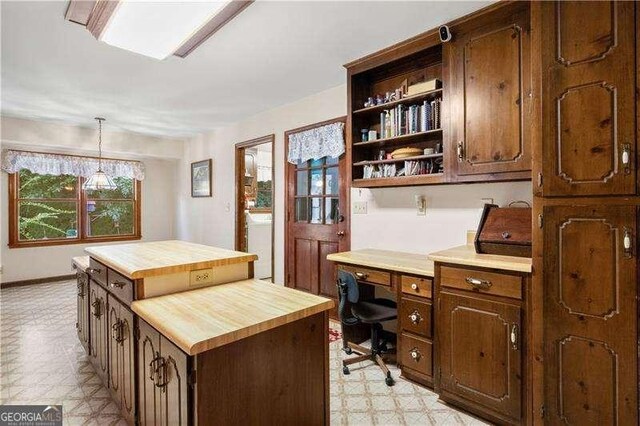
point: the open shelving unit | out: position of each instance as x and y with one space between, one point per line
387 75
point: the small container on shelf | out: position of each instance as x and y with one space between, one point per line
373 135
365 135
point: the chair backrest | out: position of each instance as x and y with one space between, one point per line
348 294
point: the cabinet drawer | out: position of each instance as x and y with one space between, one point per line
416 316
416 286
368 275
480 281
97 271
121 287
417 354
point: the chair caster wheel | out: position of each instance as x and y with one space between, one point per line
389 381
345 370
348 351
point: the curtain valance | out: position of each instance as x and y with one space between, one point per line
59 164
313 144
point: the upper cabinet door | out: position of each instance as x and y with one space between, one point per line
490 73
588 98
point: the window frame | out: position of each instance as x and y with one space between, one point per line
82 238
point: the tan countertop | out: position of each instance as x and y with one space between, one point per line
466 255
81 263
200 320
409 263
140 260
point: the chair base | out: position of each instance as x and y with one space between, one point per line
368 354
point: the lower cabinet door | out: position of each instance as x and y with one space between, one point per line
115 355
82 325
99 334
149 412
121 358
175 410
480 354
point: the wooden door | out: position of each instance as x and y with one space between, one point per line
99 333
317 221
590 311
480 352
148 393
174 402
490 79
588 98
82 324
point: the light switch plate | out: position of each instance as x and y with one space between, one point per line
359 207
200 277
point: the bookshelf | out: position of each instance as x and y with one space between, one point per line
404 121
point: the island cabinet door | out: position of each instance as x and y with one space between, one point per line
121 357
148 356
588 98
490 75
99 333
82 324
590 315
173 397
480 354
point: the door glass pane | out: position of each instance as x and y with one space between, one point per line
317 163
316 210
331 184
302 183
317 185
331 161
302 164
302 209
331 210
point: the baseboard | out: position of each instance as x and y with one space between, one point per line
37 281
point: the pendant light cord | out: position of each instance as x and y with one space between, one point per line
100 120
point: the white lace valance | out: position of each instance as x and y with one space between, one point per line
59 164
313 144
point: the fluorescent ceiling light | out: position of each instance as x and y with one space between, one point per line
157 29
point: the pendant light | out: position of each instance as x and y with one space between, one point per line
99 180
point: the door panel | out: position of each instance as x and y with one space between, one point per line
490 75
327 270
148 394
478 360
174 395
588 99
303 267
590 311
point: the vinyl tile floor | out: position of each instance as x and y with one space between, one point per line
42 362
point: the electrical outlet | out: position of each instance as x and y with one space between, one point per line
201 276
359 207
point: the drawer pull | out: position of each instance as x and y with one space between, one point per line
158 371
94 270
415 354
97 308
626 157
414 286
81 290
361 275
514 337
415 317
627 243
117 331
478 283
460 151
118 284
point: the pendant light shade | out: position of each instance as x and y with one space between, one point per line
99 180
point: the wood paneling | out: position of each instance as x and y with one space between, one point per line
327 277
590 314
588 99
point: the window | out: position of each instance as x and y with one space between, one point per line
317 191
47 210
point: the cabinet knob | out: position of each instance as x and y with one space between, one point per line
415 354
627 243
460 151
514 337
414 287
94 270
118 284
415 317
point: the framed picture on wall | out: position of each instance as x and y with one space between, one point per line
201 178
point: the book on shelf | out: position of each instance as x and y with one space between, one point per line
403 120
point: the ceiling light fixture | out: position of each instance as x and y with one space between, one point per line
155 29
99 180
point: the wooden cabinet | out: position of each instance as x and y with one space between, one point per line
490 104
588 98
99 353
590 314
82 324
480 354
121 344
162 380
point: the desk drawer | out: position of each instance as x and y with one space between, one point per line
416 286
98 272
417 354
368 275
416 317
121 287
480 281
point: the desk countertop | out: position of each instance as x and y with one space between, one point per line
409 263
200 320
141 260
466 255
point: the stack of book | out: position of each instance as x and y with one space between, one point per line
404 120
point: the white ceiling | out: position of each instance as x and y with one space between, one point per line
271 54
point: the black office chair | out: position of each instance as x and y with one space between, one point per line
352 311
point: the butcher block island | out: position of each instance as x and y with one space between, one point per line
182 333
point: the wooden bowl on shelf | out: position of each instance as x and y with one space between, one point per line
406 152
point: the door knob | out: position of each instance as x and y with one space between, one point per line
340 233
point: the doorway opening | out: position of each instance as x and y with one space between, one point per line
255 202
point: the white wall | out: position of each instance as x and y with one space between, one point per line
158 189
391 222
